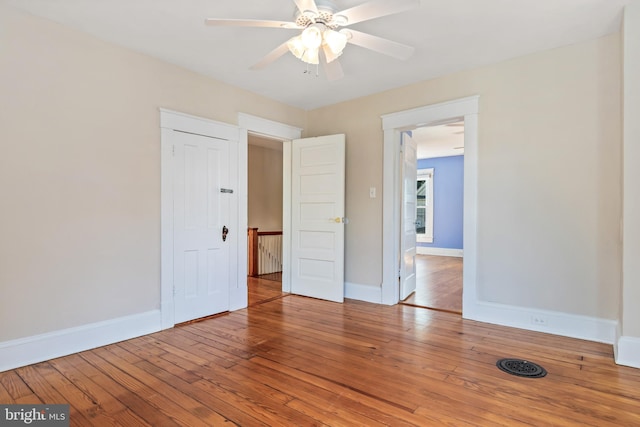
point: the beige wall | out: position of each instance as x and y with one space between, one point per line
265 188
631 288
80 171
80 190
549 182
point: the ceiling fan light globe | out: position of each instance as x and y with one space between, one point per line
312 37
311 56
296 47
335 41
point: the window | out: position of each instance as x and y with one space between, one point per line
424 206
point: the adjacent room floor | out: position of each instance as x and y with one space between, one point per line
438 283
264 288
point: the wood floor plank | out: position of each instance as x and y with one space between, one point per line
170 403
14 385
216 399
341 401
5 397
48 392
183 407
82 402
134 402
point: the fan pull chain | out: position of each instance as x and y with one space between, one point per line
308 70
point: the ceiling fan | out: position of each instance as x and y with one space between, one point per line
323 37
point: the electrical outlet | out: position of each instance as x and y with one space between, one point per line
539 320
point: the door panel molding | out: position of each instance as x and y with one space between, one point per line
408 217
317 211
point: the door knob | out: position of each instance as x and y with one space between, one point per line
225 231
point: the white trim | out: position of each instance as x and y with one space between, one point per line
424 174
286 133
617 340
239 295
171 121
268 127
365 293
391 199
166 229
38 348
552 322
393 124
287 147
427 250
176 120
628 352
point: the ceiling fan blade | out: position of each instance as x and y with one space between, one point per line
271 57
332 69
307 6
375 9
250 23
378 44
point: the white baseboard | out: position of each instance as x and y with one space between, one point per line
365 293
424 250
38 348
551 322
628 352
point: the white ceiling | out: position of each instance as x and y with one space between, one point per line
440 141
449 36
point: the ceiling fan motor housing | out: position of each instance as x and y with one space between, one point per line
326 10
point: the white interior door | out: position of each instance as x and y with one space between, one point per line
317 217
202 201
408 217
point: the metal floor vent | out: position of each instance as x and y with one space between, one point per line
521 368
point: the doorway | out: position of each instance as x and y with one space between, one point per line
393 125
439 217
265 213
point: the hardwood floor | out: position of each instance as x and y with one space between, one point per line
300 361
438 283
263 290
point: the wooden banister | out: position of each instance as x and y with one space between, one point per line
252 234
253 244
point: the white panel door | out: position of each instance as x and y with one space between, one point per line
317 217
201 211
408 217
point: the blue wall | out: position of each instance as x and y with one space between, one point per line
448 186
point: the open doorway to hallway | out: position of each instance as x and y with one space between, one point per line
265 218
439 217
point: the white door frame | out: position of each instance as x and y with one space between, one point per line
286 133
393 124
171 121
